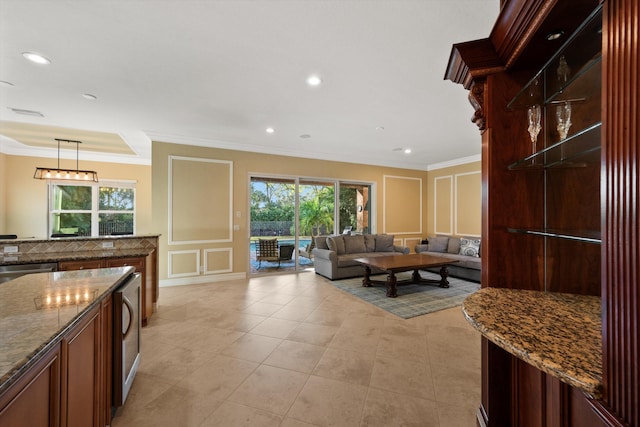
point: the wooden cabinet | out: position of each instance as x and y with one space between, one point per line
560 217
82 374
34 400
141 266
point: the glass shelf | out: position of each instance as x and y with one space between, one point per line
588 236
577 150
571 73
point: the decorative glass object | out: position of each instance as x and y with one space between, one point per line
563 70
563 119
534 114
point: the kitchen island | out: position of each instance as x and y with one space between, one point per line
56 344
79 253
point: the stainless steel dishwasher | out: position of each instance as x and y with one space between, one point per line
8 272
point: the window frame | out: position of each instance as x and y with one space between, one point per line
95 211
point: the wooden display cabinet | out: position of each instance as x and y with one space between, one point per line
561 217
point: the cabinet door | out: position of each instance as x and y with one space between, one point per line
34 400
82 373
80 265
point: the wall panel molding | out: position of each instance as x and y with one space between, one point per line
184 263
199 212
443 223
401 205
227 261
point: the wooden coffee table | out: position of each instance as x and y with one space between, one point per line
393 264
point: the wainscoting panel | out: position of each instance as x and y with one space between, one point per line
184 263
218 261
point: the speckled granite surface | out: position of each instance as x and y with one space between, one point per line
560 334
75 248
27 332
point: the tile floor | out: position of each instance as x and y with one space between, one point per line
293 351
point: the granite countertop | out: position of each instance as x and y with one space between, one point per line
57 239
31 324
29 258
560 334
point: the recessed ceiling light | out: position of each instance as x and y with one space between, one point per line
36 58
554 35
6 83
407 151
89 96
314 80
27 112
379 127
270 130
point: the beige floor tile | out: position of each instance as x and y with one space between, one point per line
262 308
403 347
455 345
234 320
313 334
456 384
251 347
346 366
384 409
218 378
271 389
325 402
276 328
357 339
404 377
457 416
327 318
291 350
232 414
296 356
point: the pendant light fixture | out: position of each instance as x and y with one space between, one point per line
66 174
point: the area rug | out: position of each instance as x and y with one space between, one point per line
412 300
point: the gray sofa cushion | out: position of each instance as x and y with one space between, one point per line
336 244
321 242
438 243
354 244
370 242
384 243
454 245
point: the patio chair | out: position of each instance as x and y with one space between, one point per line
308 251
269 250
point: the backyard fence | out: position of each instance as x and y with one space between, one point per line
271 228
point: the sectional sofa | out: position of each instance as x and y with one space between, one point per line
465 250
334 255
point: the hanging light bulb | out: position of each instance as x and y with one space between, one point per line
45 173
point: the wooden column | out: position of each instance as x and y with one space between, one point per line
621 191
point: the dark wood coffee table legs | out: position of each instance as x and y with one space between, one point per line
392 282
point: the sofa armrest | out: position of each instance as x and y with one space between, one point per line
403 249
325 254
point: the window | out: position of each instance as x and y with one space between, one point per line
102 209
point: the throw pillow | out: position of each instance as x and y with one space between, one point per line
384 243
336 244
354 244
454 245
438 243
321 242
470 247
370 242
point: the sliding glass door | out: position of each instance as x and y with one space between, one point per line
293 211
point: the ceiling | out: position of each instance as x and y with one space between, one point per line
217 73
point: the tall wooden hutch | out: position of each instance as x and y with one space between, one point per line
556 93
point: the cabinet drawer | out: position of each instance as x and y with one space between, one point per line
80 265
138 263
